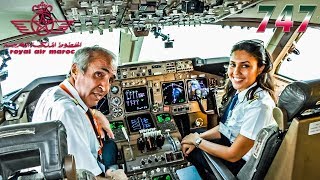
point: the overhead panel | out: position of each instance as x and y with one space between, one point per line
142 15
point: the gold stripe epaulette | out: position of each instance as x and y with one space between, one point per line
255 97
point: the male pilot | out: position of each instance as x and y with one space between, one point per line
92 71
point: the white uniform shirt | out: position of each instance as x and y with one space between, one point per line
56 104
248 117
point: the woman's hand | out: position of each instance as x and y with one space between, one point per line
103 123
190 139
188 143
187 149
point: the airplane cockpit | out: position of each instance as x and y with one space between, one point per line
149 107
165 87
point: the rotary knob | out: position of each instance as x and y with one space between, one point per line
164 169
158 170
144 174
163 158
116 101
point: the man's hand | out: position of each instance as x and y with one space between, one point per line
103 123
117 175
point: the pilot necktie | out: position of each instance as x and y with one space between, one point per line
91 118
92 123
229 108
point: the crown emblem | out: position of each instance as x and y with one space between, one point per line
42 8
42 23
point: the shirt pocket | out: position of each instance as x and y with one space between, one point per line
236 117
235 123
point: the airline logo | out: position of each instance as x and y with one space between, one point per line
42 23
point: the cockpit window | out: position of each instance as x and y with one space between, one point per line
304 66
205 41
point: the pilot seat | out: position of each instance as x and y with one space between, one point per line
28 145
289 150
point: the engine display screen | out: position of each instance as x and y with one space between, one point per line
162 177
163 117
135 99
173 92
197 87
103 106
140 121
116 125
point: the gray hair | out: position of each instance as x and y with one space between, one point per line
82 57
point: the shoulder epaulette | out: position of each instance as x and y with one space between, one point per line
255 97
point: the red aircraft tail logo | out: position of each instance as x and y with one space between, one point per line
42 23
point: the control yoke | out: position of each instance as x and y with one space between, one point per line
211 101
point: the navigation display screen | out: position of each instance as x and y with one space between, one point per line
197 87
173 92
140 121
135 99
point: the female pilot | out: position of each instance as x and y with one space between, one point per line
248 102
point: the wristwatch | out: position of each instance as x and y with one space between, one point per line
198 141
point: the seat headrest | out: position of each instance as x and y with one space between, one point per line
300 96
32 144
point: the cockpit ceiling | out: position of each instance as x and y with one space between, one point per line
143 14
140 15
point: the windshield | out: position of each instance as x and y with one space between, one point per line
295 65
205 41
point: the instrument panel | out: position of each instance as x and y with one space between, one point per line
146 99
149 95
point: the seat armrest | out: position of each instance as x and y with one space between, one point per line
219 169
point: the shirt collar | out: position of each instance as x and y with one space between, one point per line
242 94
75 94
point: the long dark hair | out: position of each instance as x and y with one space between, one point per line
264 79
